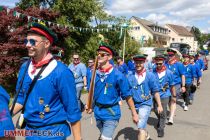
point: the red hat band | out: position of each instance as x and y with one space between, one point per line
171 53
43 33
159 59
139 59
105 49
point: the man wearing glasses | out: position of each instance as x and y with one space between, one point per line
89 70
52 103
110 86
178 71
79 70
167 89
144 88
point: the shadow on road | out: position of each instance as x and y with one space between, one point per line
152 121
129 134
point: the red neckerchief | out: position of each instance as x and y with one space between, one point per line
186 63
39 64
161 70
172 61
140 73
106 69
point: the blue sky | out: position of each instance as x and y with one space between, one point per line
179 12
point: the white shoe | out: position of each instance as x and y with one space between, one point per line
170 121
183 104
185 108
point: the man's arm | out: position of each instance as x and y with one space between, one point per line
183 83
17 108
157 99
133 110
76 129
85 81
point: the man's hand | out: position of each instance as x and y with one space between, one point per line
89 111
135 118
159 109
183 89
85 88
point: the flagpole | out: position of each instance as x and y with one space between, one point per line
124 26
124 45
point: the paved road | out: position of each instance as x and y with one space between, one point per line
191 125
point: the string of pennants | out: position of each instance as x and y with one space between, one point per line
92 29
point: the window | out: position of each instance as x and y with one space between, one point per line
173 39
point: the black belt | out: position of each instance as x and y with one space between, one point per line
58 123
105 105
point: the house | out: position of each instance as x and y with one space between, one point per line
148 33
181 34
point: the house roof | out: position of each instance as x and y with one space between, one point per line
148 24
180 30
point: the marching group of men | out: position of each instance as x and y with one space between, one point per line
54 100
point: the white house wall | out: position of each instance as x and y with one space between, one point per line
138 34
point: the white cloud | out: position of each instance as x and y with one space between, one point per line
183 9
209 21
164 19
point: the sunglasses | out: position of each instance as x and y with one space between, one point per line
31 41
159 64
103 54
170 55
76 58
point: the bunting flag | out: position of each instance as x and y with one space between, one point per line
81 29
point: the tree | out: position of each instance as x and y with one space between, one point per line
12 33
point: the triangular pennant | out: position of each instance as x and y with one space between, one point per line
8 10
22 15
107 29
29 17
14 13
17 14
80 29
92 30
1 8
49 23
39 20
58 25
97 30
73 28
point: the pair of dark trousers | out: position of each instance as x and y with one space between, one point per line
186 95
163 116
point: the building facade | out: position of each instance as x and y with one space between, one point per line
148 33
180 34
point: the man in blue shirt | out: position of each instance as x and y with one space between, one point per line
52 103
79 70
167 89
178 71
131 66
144 87
89 70
122 67
198 76
190 79
110 86
5 118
